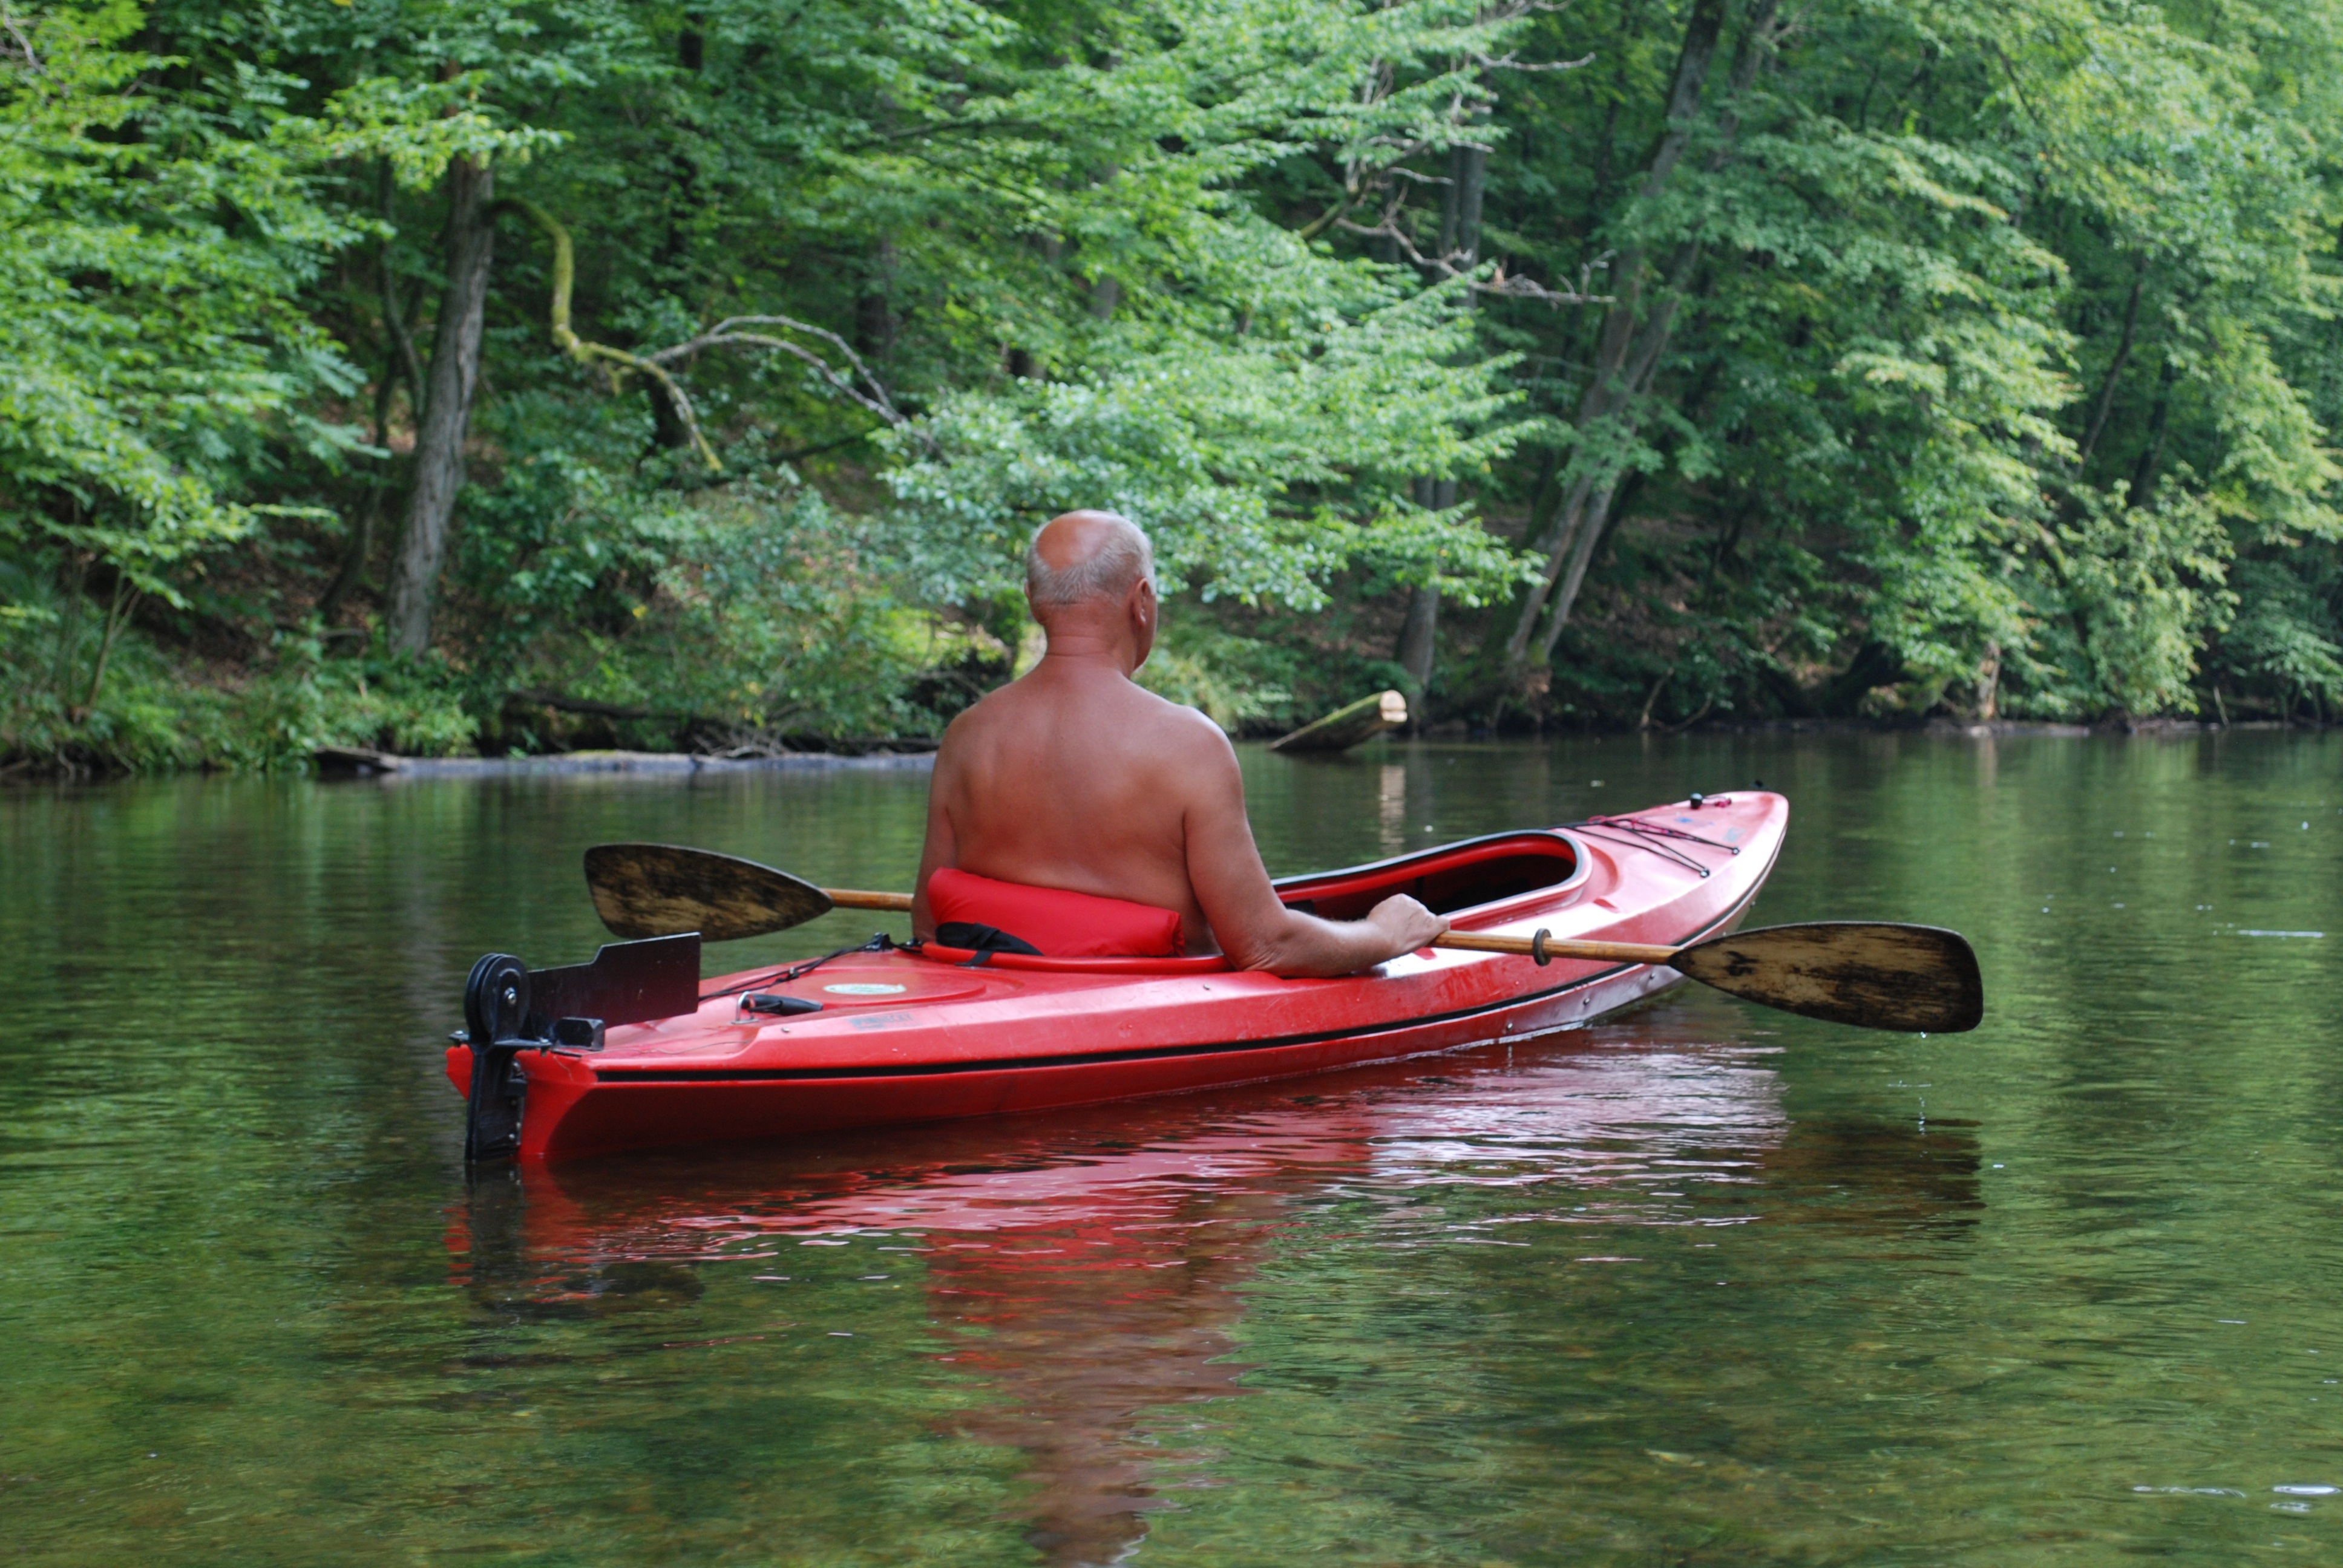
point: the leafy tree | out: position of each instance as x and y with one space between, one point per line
516 373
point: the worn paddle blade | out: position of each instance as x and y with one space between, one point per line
1917 978
663 889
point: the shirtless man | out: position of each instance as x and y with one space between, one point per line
1073 777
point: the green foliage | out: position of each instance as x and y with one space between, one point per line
2287 635
2001 330
148 715
153 347
1260 467
1993 355
757 614
1236 680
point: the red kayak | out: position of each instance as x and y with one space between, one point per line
634 1052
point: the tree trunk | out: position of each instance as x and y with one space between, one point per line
1582 555
1614 498
1460 204
1419 645
124 596
2143 474
1616 338
454 373
1579 529
1416 637
1460 236
874 310
361 541
2114 373
1627 358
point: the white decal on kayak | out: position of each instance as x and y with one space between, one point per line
860 989
881 1019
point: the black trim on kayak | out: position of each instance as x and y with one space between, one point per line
1440 851
631 1075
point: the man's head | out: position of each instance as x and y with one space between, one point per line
1086 554
1091 575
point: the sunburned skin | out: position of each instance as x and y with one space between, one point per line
1073 777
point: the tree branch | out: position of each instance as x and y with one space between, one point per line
24 44
2115 371
394 320
565 270
723 335
1446 267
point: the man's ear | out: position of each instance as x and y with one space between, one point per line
1146 613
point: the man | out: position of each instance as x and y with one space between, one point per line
1074 778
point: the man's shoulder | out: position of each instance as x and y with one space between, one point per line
1129 716
1176 723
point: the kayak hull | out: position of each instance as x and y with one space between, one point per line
907 1037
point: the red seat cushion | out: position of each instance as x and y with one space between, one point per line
1061 924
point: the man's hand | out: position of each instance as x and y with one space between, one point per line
1408 923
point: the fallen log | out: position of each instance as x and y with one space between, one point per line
1347 725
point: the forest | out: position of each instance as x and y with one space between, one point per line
520 375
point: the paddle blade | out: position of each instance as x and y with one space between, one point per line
1917 978
664 889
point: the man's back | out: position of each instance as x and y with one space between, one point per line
1074 778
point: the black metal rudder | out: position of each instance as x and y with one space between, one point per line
509 1007
495 1005
628 982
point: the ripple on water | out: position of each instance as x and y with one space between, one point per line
1699 1284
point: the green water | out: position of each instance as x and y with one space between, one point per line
1705 1285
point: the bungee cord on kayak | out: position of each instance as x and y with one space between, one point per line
1640 832
878 943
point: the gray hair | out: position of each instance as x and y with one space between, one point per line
1108 572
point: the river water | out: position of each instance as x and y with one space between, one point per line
1701 1285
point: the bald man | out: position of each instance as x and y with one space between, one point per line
1074 778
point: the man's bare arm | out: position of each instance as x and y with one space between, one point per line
942 846
1256 928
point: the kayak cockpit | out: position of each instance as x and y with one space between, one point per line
1446 880
1477 875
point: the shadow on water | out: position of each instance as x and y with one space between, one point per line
1883 1176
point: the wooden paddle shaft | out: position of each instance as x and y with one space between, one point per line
1527 946
1916 979
854 898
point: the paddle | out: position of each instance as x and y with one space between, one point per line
665 889
1916 979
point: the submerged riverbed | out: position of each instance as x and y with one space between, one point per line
1703 1285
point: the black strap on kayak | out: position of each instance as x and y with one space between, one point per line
983 941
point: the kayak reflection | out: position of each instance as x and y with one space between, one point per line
1090 1270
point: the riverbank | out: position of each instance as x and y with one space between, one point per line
916 752
342 762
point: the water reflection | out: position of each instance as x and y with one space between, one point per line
1398 1323
1091 1271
